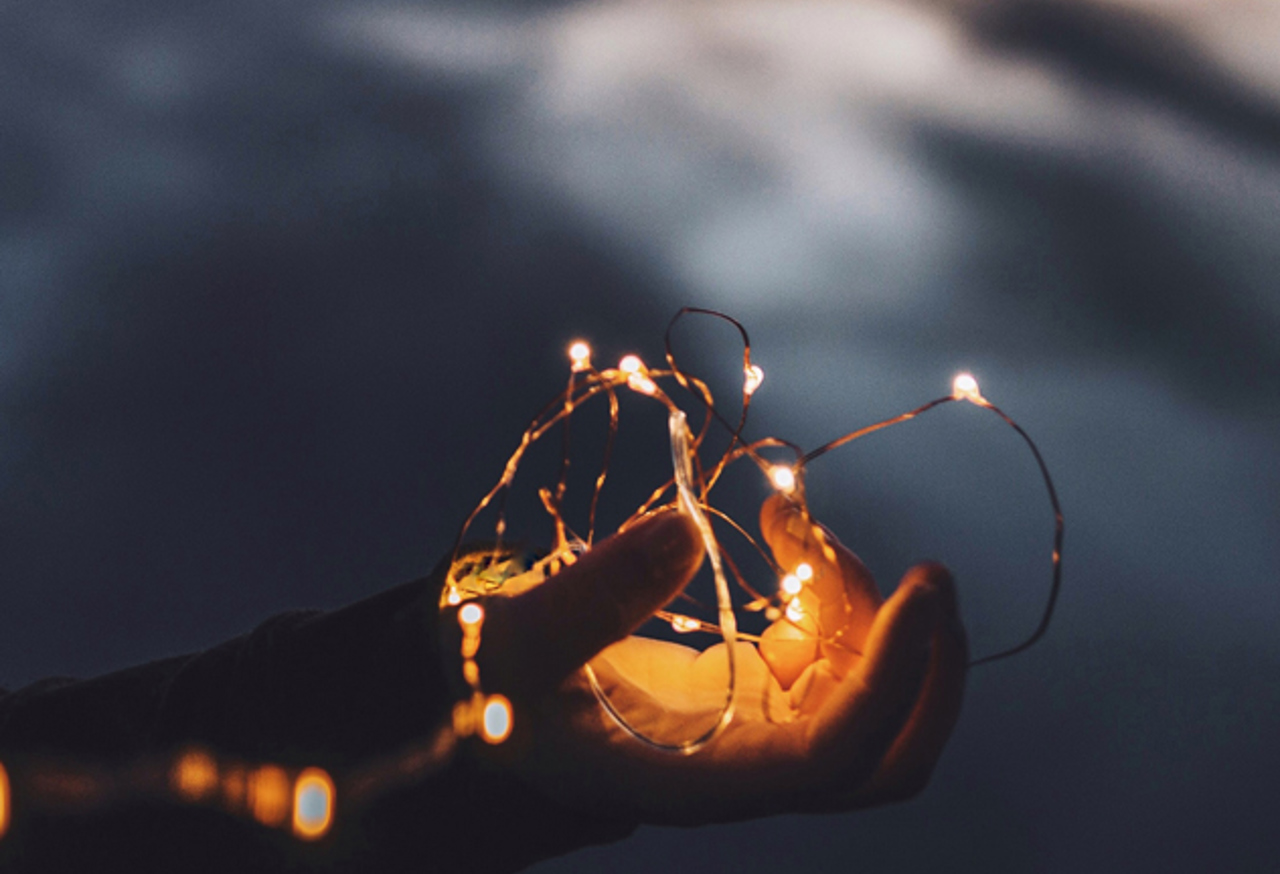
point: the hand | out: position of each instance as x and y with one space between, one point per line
862 719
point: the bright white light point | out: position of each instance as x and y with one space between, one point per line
804 571
791 584
965 388
471 614
641 383
794 611
753 376
783 477
496 721
684 624
580 355
630 364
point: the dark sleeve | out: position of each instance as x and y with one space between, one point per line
356 691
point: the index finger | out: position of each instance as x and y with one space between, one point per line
532 641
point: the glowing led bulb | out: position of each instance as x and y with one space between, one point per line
684 624
631 364
804 571
643 384
471 614
965 388
312 804
792 585
495 723
580 356
783 478
795 612
454 598
753 376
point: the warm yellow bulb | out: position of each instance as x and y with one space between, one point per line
471 614
580 355
630 364
965 388
753 376
643 384
684 624
783 478
454 598
795 612
495 723
792 585
804 571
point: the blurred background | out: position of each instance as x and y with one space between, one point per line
282 283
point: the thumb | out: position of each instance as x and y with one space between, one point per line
534 640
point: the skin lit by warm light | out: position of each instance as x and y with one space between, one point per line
495 723
4 800
752 377
630 364
791 585
965 388
268 795
194 775
580 355
783 478
804 571
313 797
794 611
471 614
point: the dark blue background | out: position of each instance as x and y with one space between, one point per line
280 284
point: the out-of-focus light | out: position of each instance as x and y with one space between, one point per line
313 799
471 614
795 612
631 364
194 775
580 355
495 723
804 571
268 795
791 585
752 377
5 800
782 477
965 388
454 598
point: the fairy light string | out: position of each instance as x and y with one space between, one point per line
690 488
305 801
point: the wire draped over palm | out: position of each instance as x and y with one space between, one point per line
862 719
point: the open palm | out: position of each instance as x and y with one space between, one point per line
849 706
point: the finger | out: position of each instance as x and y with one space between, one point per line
842 586
909 763
855 727
532 641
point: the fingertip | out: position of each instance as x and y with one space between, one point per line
669 543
